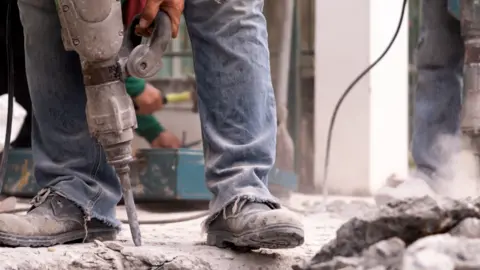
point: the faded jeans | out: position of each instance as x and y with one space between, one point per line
439 90
236 103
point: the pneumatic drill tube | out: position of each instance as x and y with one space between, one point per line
94 29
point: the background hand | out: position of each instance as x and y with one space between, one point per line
166 139
173 8
149 101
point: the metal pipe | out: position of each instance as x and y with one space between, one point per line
283 69
297 62
285 148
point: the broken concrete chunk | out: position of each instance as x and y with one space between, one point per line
387 254
442 251
114 246
184 263
383 255
414 187
437 252
386 248
469 228
337 263
98 243
364 239
408 220
428 260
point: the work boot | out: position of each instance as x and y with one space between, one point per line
52 220
250 225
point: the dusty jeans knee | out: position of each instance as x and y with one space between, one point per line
67 159
439 90
236 100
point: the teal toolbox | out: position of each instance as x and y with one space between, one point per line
157 174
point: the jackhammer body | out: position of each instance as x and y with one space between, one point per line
94 29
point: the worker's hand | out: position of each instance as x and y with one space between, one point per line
166 139
173 8
149 101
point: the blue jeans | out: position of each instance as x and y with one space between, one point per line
439 90
236 103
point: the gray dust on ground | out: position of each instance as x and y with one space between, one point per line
181 246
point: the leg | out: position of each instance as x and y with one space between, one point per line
237 111
437 104
439 89
68 162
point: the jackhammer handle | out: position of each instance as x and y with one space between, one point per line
145 60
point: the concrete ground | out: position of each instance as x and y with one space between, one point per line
176 246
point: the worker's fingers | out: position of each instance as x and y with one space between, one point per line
174 13
173 8
148 15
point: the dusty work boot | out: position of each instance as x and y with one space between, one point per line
249 225
52 220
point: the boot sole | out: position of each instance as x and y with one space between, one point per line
272 237
68 237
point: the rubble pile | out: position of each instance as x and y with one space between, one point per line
412 234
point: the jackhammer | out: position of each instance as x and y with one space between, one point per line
94 29
470 25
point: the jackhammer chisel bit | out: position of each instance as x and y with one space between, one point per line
470 23
94 29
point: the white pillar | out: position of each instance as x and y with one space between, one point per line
370 138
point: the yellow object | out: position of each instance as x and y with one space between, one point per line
180 97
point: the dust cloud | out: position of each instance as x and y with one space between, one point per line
459 170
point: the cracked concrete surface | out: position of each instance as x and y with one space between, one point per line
175 246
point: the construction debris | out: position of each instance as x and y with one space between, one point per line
7 203
416 233
178 246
